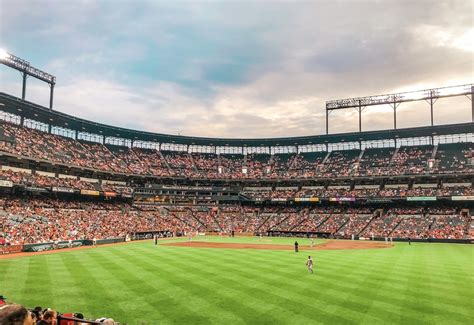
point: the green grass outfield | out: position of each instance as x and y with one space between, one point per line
139 283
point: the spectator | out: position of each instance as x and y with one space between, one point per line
49 318
15 315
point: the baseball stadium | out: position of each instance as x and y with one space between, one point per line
109 224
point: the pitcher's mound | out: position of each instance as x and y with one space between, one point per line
329 245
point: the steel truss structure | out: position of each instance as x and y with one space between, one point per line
358 103
394 100
26 69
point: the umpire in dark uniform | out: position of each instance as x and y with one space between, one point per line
296 246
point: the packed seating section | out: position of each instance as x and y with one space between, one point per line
411 160
40 220
47 220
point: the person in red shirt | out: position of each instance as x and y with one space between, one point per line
3 300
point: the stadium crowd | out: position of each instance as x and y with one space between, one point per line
42 181
43 219
410 160
389 192
49 220
30 179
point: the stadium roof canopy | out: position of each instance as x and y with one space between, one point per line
42 114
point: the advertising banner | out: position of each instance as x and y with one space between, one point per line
10 249
463 198
346 199
421 198
89 192
4 183
62 189
35 189
342 199
306 199
110 194
379 200
187 188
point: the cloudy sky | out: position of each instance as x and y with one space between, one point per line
240 69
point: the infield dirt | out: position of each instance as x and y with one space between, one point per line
329 245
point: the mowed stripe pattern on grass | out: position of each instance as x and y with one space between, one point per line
139 283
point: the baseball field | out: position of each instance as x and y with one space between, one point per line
139 283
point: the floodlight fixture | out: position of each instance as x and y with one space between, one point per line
3 54
26 69
394 100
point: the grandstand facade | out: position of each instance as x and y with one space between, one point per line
403 183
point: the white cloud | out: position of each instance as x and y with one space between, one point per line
456 38
292 58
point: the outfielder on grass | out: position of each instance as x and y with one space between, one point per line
309 264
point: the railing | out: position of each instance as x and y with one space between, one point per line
65 320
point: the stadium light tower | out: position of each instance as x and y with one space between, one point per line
394 100
26 70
